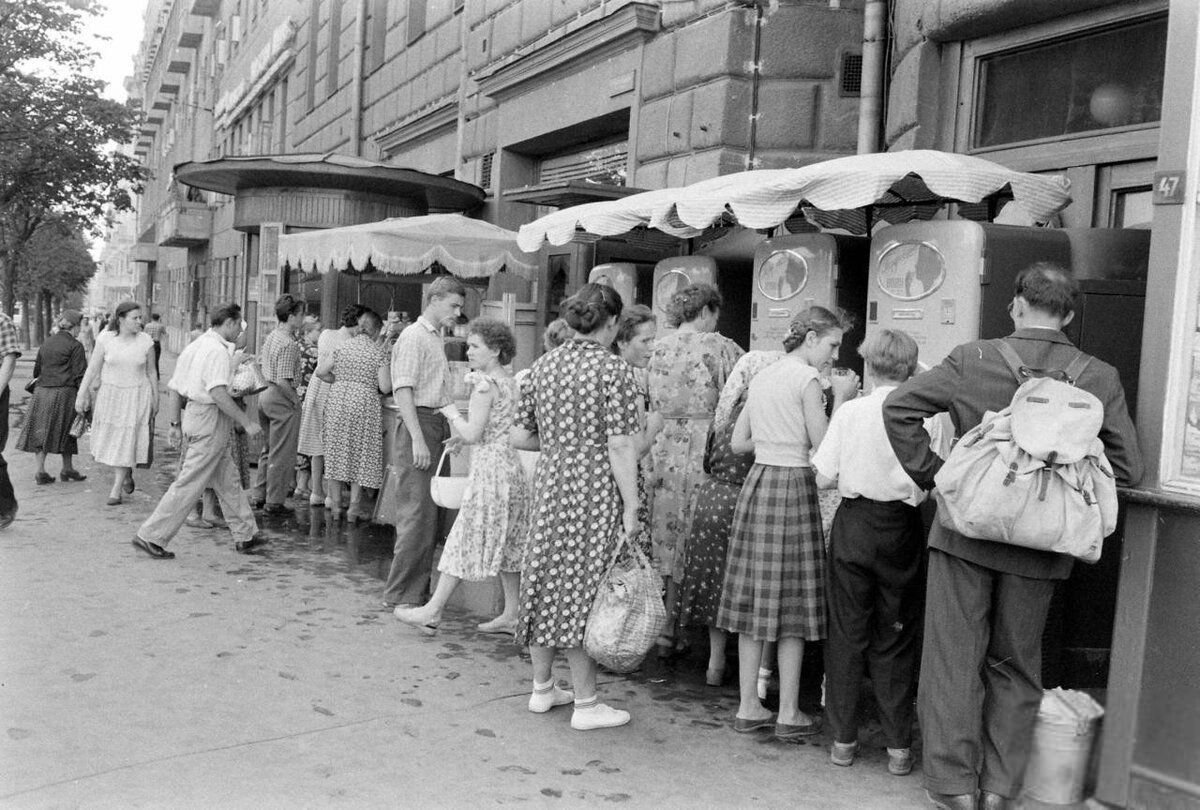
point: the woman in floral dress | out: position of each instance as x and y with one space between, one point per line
687 371
580 407
633 344
488 537
125 404
352 433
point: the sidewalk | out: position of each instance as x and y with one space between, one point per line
223 680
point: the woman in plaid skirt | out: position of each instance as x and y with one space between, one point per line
776 563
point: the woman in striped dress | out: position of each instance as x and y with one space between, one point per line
775 568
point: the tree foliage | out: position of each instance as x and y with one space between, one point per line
58 134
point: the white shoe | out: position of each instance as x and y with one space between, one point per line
545 700
598 715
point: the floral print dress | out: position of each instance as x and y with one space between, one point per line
489 533
575 398
686 373
352 432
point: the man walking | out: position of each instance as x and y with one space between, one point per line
202 376
279 408
155 330
9 352
986 604
420 379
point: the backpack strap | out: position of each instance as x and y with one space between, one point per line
1012 359
1076 368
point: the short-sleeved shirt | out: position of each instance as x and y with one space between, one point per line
8 338
419 362
155 330
775 408
281 357
204 364
857 453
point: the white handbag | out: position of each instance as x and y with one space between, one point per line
447 490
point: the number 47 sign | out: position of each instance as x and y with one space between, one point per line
1168 188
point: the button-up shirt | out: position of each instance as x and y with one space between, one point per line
281 357
8 338
155 330
419 362
205 363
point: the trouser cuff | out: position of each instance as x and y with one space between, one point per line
950 787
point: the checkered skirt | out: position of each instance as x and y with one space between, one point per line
775 570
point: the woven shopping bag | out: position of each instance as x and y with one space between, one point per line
628 612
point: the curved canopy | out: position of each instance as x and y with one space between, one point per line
469 248
228 175
848 193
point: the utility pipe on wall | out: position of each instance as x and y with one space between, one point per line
870 101
356 93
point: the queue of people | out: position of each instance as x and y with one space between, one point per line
710 458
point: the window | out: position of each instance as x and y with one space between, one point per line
334 48
850 82
416 20
1099 80
376 36
314 29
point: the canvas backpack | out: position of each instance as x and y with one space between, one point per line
1034 474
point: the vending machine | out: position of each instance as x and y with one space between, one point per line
673 274
792 273
621 276
950 281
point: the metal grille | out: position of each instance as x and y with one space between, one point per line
851 83
485 171
604 163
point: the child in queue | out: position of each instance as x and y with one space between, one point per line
873 568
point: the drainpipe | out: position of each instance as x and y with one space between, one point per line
356 97
755 83
870 102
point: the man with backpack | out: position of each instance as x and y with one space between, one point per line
980 681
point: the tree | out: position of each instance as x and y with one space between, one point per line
58 134
54 263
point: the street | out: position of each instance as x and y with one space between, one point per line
273 679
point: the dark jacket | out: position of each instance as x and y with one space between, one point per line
60 362
973 379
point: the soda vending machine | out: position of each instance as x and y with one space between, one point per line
792 273
950 281
673 274
621 276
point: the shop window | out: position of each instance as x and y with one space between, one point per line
1089 83
596 162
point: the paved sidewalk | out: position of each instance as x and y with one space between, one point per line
223 680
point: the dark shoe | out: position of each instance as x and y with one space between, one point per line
7 518
744 726
993 801
43 478
275 509
246 546
71 475
256 505
949 801
128 486
785 732
153 549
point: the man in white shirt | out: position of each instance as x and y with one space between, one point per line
202 377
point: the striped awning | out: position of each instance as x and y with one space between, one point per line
850 193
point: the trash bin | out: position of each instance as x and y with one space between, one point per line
1062 745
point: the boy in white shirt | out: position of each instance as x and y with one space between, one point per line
874 571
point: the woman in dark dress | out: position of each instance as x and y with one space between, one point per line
59 368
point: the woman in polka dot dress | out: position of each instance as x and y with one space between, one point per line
579 406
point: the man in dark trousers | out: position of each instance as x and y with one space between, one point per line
986 604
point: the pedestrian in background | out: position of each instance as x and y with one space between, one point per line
203 374
279 408
580 408
687 370
873 578
489 534
775 569
312 414
126 401
358 375
59 369
634 342
310 332
9 352
421 385
155 329
86 337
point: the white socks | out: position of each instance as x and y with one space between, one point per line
547 695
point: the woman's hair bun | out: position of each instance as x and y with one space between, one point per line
591 307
